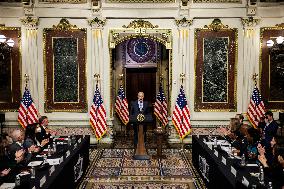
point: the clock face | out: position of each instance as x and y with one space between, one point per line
141 49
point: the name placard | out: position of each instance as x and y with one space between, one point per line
216 153
51 170
210 146
67 154
75 146
233 171
61 159
245 181
224 160
42 181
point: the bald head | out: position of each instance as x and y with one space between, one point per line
17 135
140 96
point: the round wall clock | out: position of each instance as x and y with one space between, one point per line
141 49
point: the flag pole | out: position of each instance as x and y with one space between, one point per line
182 77
120 83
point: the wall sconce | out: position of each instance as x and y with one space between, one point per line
279 40
10 42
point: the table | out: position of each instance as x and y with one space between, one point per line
75 160
218 170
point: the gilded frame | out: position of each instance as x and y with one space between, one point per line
117 36
81 35
16 59
231 104
267 33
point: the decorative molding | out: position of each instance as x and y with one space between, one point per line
64 25
250 22
31 22
217 1
280 25
63 1
216 25
184 22
140 1
140 24
97 23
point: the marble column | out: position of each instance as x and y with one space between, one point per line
250 58
30 56
97 61
184 60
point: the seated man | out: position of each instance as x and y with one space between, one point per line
43 132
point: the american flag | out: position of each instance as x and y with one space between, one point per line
98 115
121 106
256 108
181 115
160 107
28 113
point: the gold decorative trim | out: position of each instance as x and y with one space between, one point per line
235 72
140 1
184 22
280 25
262 29
216 25
250 22
31 22
217 1
64 1
140 24
96 22
64 25
117 36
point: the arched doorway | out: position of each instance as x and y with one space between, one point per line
140 57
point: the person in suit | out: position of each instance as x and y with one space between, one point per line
42 131
139 106
270 130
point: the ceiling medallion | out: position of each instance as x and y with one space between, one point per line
216 25
64 25
140 24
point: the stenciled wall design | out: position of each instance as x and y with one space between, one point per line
215 52
65 68
10 61
272 68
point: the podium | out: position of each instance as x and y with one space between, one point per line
140 152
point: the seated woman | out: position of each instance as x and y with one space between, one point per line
252 141
30 138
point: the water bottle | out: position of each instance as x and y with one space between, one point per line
33 172
261 176
17 180
69 141
215 142
269 185
54 147
49 150
243 160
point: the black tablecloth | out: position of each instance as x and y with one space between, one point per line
220 171
66 174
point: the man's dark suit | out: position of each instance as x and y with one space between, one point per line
269 132
134 111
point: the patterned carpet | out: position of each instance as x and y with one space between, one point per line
115 168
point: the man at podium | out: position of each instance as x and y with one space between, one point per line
139 106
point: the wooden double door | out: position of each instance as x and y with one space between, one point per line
141 79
